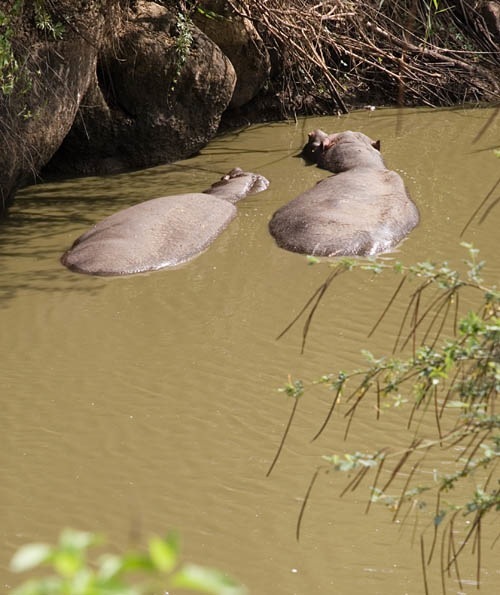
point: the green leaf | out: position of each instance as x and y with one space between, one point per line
78 540
83 582
311 260
30 556
164 552
110 565
137 561
293 389
206 580
47 586
67 563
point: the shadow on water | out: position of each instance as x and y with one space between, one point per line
32 240
46 218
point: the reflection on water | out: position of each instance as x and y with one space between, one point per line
139 404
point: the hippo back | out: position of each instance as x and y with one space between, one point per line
362 212
158 233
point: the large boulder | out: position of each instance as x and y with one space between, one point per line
158 96
48 62
241 43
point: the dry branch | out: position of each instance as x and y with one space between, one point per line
333 51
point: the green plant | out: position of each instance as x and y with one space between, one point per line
183 43
45 22
432 11
132 573
184 26
450 377
9 66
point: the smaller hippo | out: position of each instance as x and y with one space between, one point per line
162 232
361 211
354 152
314 146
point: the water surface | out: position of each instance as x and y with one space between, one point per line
139 404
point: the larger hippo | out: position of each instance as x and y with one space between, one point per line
362 210
162 232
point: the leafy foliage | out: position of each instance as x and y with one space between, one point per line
451 375
45 22
113 574
9 66
183 42
10 17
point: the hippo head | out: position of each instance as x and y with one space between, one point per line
347 150
330 140
237 184
313 147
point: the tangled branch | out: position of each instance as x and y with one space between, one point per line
405 51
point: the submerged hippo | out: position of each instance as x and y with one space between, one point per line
363 210
162 232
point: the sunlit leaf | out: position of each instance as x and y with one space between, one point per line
206 580
164 552
67 563
83 582
110 565
457 405
78 540
137 561
47 586
30 556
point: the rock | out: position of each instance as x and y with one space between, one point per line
43 82
158 96
239 40
490 11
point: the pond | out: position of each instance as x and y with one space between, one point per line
136 405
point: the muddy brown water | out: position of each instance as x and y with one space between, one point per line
135 405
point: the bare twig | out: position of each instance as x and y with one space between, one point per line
304 503
422 559
283 438
329 415
387 45
389 304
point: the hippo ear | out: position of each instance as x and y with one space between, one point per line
326 143
376 145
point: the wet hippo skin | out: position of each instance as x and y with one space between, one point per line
161 232
362 210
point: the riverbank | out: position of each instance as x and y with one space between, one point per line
100 87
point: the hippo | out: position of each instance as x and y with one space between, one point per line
319 149
362 210
162 232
